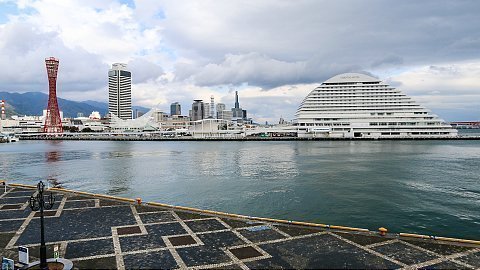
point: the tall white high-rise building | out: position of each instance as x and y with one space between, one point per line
206 110
219 108
354 105
212 107
120 91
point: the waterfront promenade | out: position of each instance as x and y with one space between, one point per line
143 137
98 231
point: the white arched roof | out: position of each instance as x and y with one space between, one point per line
351 77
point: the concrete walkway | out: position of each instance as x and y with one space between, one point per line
100 233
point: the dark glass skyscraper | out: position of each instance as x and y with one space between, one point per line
238 112
175 109
198 110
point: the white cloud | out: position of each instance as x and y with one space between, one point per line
272 51
450 90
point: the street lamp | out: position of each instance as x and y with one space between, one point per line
40 202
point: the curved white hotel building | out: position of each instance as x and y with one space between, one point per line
354 105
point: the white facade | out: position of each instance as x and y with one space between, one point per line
120 91
95 115
206 108
225 114
144 122
356 105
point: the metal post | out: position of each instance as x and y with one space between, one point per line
38 203
43 248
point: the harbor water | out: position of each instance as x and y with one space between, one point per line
427 187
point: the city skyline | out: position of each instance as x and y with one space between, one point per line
274 53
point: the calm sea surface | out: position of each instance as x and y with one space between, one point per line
429 187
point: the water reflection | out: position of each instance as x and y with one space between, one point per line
402 185
118 168
275 163
52 156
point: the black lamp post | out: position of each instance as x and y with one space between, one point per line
39 203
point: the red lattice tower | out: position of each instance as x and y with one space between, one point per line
53 122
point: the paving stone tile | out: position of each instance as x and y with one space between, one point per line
14 200
202 255
173 228
4 239
46 213
2 189
239 223
471 259
11 214
110 203
183 240
245 253
441 249
321 251
89 248
11 206
325 251
153 239
221 239
153 260
100 263
233 266
79 224
445 265
297 231
260 234
189 215
363 239
78 197
10 225
79 204
205 225
141 242
20 193
157 217
404 253
129 230
143 209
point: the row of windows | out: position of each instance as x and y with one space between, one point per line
310 103
355 89
359 108
355 95
389 127
403 123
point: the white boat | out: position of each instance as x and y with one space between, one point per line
10 137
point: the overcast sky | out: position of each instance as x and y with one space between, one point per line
273 52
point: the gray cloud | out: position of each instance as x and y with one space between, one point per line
222 44
392 60
260 70
22 53
307 38
144 70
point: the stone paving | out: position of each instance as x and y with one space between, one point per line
97 233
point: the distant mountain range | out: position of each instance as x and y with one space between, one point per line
33 103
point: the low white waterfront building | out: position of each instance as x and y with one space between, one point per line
354 105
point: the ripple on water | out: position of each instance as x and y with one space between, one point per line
426 187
